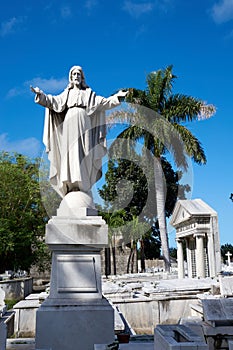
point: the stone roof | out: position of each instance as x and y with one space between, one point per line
186 208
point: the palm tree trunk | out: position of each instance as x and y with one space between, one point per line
132 260
130 255
107 261
143 265
129 259
114 259
160 203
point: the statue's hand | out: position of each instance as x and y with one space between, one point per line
121 95
36 90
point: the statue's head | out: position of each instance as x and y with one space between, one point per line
77 68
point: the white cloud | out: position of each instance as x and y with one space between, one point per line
10 26
66 12
52 86
137 9
14 92
90 4
30 147
222 11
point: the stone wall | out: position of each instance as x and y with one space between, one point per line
122 256
143 315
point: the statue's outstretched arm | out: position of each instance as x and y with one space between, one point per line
36 90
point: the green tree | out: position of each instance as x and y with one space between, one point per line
176 109
127 187
22 215
173 253
114 220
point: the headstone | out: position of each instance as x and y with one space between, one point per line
226 285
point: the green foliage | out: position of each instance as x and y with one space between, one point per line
10 303
125 195
175 108
161 134
173 253
22 215
152 244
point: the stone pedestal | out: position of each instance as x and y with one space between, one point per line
75 315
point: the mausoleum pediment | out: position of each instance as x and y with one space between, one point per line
182 216
185 209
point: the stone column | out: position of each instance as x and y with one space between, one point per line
188 254
211 256
200 258
180 258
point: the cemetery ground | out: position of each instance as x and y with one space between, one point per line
151 300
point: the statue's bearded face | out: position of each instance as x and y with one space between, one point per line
76 77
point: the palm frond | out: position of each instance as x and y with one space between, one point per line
179 108
159 87
206 111
192 145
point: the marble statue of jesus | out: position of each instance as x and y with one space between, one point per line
75 133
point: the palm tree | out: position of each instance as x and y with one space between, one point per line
175 109
114 220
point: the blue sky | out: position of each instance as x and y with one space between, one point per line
118 44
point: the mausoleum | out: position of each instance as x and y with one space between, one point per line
197 232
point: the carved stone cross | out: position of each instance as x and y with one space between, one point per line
228 254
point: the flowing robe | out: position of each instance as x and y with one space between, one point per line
75 137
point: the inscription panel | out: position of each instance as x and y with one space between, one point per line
76 274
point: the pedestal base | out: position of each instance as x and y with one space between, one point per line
72 327
75 315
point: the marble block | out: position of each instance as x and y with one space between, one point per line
86 230
76 244
77 326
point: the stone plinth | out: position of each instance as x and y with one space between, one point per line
75 315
